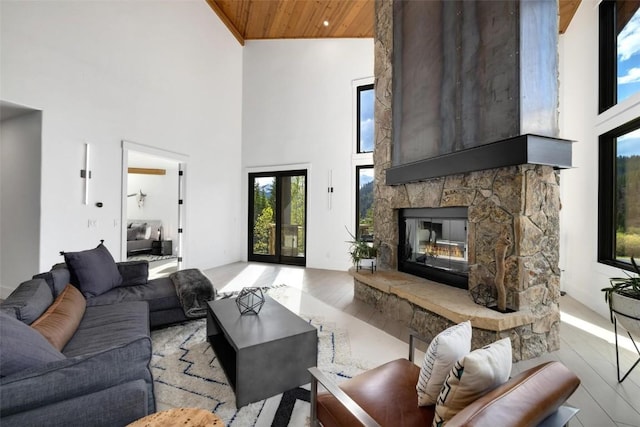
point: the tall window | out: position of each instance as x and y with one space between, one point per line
365 95
619 210
619 51
619 148
364 202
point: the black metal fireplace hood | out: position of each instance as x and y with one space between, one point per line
519 150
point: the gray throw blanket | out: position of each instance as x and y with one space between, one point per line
194 290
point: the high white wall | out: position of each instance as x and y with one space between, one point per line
582 275
162 73
298 110
20 199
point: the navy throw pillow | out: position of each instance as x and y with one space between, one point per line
23 347
29 300
93 271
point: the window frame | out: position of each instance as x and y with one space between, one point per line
358 159
359 90
607 56
607 178
278 257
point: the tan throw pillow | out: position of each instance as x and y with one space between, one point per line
445 350
60 321
472 376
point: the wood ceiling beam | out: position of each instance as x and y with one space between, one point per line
148 171
566 10
225 19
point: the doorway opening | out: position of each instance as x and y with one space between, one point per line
278 217
20 194
153 208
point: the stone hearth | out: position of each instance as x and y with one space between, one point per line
428 307
516 205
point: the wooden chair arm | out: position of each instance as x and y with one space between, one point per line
318 377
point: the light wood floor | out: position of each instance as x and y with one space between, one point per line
586 338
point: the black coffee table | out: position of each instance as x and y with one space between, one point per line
262 355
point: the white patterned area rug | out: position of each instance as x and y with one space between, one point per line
188 374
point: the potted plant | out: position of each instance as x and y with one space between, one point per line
623 297
363 253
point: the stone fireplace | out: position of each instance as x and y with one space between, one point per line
500 168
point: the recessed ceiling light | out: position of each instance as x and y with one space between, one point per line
325 23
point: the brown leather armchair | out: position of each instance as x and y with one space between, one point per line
386 396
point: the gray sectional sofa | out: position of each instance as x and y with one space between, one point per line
75 343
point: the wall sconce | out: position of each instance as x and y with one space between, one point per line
330 187
86 173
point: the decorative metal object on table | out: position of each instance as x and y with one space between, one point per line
250 300
485 295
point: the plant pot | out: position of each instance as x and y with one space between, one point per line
627 312
367 264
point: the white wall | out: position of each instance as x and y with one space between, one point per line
20 199
298 109
162 73
583 276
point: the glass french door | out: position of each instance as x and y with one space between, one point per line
278 217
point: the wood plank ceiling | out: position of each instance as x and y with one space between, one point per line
303 19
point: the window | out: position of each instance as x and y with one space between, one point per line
362 160
619 51
364 202
619 193
364 133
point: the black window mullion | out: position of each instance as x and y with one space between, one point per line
608 64
278 215
606 202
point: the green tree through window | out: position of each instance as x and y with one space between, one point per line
364 198
263 215
627 203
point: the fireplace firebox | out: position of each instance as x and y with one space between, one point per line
433 244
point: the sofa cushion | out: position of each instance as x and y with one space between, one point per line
133 272
29 300
119 405
138 231
107 326
159 293
23 347
132 233
60 321
93 271
443 351
9 311
472 376
57 278
78 376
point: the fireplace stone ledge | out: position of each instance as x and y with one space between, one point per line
428 308
451 303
